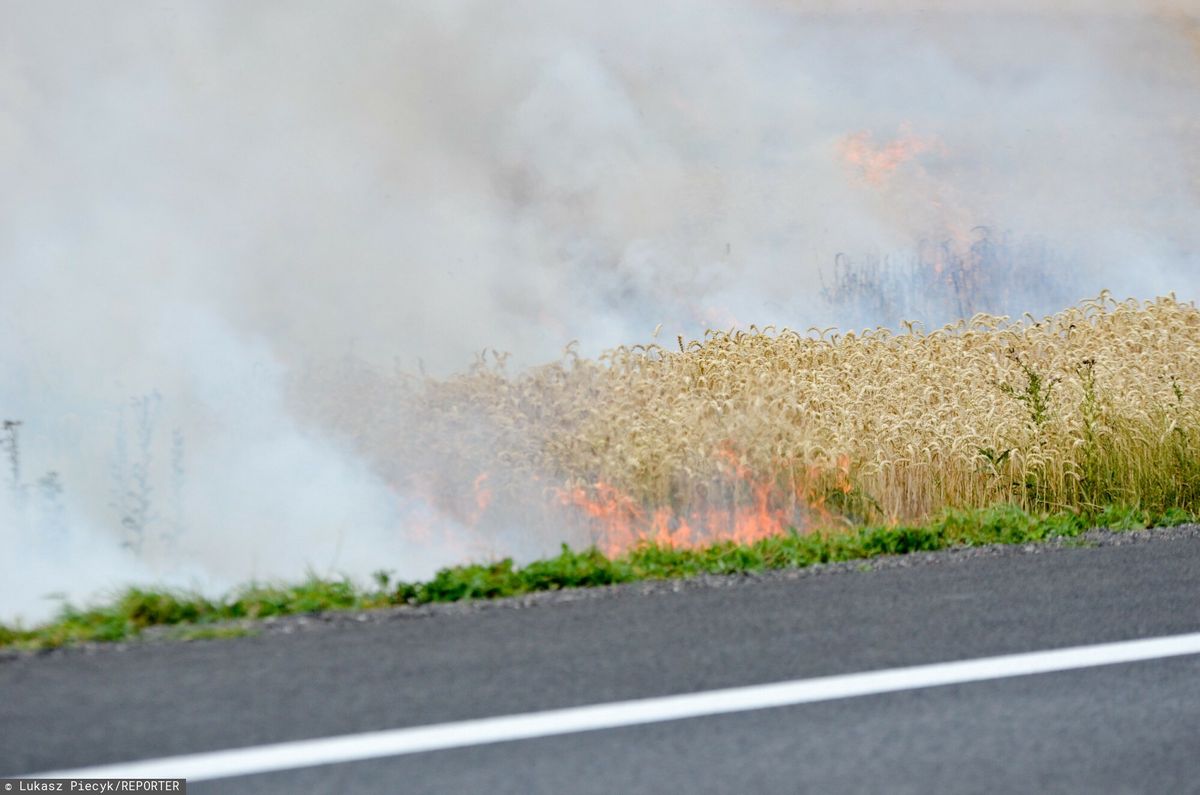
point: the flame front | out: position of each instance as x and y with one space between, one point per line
741 505
877 163
757 507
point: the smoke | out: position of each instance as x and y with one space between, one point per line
200 201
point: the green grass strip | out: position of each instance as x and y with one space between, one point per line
136 609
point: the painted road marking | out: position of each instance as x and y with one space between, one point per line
459 734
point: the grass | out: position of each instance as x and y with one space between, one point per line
744 433
195 617
212 633
675 463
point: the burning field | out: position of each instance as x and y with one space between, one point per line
746 434
249 253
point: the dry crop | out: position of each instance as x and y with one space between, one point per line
744 434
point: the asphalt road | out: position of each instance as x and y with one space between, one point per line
1124 728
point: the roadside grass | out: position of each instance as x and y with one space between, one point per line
211 633
196 617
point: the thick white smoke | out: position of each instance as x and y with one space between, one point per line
199 200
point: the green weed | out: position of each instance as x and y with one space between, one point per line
196 616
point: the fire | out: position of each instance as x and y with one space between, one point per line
877 163
921 199
620 523
762 507
751 506
434 518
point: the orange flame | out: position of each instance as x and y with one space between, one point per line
620 523
877 163
435 518
753 507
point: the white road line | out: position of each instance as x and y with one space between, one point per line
417 739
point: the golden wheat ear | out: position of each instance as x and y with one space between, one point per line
739 432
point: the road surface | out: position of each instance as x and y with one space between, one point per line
1129 727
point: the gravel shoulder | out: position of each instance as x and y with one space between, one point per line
317 622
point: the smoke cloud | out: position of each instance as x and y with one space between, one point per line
201 201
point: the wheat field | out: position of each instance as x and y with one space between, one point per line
746 433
